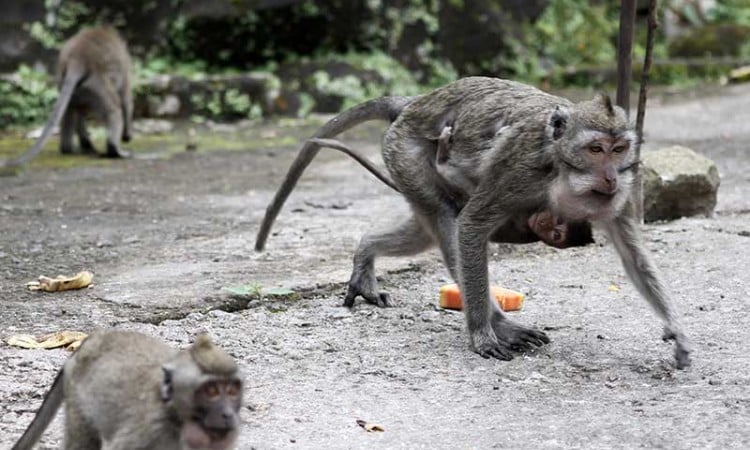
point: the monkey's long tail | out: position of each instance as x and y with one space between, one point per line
73 76
366 163
44 416
383 108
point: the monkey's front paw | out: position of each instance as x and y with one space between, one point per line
368 291
486 344
516 336
682 347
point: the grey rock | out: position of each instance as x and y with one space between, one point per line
170 105
678 182
154 126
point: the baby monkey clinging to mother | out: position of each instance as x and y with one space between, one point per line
520 151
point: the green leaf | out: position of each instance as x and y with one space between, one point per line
280 292
247 290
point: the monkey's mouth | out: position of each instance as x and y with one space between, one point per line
604 195
217 434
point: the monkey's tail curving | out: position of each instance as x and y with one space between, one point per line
383 108
73 76
44 416
366 163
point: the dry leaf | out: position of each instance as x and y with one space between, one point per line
613 288
370 427
69 339
23 341
62 283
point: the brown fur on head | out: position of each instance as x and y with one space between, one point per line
210 358
600 114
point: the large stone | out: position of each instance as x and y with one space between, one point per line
678 182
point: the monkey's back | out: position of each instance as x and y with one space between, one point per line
105 372
486 114
97 50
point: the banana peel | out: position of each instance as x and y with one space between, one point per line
71 340
62 283
370 427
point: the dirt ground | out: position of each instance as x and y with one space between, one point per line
164 237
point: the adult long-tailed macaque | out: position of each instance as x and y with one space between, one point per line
525 151
94 72
125 390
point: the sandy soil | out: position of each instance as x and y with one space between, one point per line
165 236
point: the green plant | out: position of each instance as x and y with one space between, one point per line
730 11
27 97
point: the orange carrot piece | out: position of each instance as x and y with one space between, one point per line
450 298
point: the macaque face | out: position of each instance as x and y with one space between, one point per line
215 421
550 229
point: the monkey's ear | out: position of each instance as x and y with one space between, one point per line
557 123
165 387
606 103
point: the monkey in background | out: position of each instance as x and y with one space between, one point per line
527 151
94 72
125 390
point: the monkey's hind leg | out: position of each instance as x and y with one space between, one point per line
113 114
84 140
67 125
126 100
408 238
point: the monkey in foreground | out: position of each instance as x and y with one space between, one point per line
124 390
540 226
94 72
527 151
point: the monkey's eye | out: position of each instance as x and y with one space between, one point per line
596 148
211 390
233 389
556 236
619 149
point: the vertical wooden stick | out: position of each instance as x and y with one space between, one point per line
642 95
625 53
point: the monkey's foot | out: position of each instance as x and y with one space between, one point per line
485 343
515 336
114 151
367 287
87 147
682 347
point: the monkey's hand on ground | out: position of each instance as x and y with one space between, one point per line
62 283
682 349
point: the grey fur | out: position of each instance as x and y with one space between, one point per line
113 393
94 69
523 151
